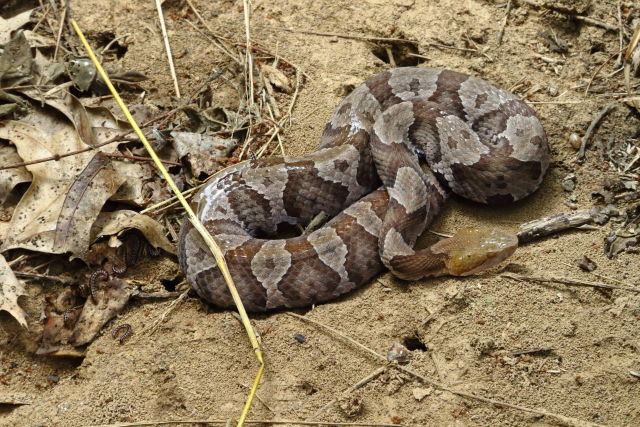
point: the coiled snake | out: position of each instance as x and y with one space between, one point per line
391 152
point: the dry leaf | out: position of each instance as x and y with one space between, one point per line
112 298
58 187
93 124
9 178
277 78
16 62
12 24
11 288
111 223
202 151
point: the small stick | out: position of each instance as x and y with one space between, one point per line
170 200
552 224
174 304
530 351
156 295
350 36
596 22
569 282
141 159
62 19
620 34
222 46
167 47
590 130
43 276
555 102
504 23
586 91
548 59
266 422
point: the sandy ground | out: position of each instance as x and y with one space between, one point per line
198 364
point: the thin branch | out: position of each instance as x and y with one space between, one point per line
141 159
555 223
569 282
596 22
167 47
504 23
590 130
65 6
230 422
349 36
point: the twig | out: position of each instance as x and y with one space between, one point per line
444 46
56 157
569 282
340 334
504 23
555 223
43 276
167 46
221 41
174 304
548 59
529 351
230 422
586 91
65 6
620 33
170 200
117 138
602 276
568 420
555 102
141 159
590 130
349 36
366 380
156 295
596 22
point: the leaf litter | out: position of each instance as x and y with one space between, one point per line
61 212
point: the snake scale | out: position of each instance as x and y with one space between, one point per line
391 153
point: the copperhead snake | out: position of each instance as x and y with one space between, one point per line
389 156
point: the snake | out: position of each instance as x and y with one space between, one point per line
390 156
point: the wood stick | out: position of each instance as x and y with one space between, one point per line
167 47
555 223
569 282
591 129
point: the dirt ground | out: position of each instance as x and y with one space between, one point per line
462 332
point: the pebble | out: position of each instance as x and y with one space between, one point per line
300 338
569 182
420 393
398 352
575 141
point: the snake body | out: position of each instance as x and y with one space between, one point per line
389 156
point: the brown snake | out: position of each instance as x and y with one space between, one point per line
388 157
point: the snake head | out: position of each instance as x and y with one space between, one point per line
472 250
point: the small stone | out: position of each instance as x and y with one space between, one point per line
569 182
586 264
398 352
300 338
420 393
553 91
575 141
53 379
